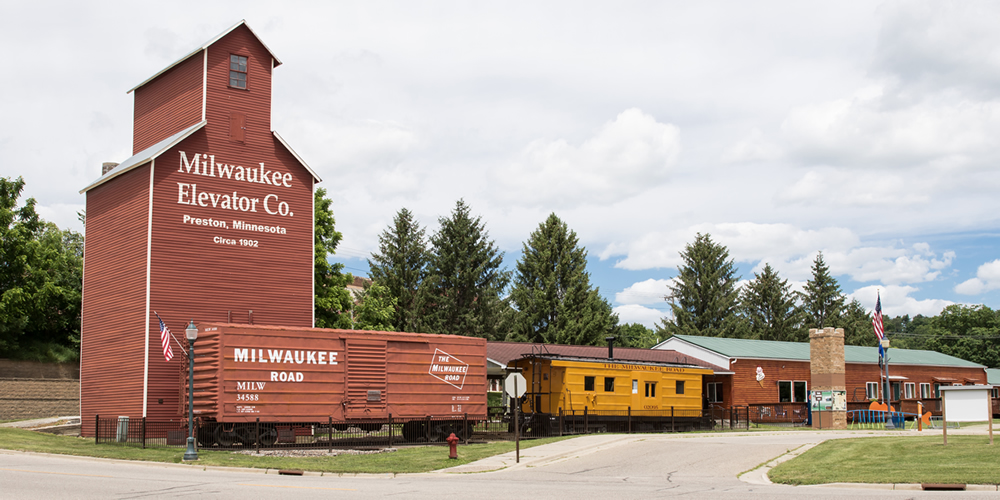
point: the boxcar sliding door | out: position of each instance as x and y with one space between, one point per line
366 379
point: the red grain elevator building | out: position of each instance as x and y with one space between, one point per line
211 219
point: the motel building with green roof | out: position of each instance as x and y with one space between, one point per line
915 375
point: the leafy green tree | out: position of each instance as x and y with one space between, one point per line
822 299
40 282
552 294
704 299
857 324
333 301
375 309
965 331
400 265
637 335
768 305
465 283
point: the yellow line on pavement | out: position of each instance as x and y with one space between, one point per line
297 487
57 473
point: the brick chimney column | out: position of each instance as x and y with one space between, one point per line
827 369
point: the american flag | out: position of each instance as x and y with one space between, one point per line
168 353
877 319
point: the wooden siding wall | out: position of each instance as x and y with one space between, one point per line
744 388
114 301
192 276
858 374
254 101
170 103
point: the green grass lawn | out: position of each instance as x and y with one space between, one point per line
404 460
902 459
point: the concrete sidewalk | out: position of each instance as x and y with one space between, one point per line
586 444
67 426
545 454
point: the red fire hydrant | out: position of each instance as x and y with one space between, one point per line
452 445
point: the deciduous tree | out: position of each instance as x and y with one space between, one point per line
40 282
375 309
333 302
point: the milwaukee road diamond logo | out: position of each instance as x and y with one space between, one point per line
448 368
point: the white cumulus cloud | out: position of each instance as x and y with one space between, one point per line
896 300
987 278
651 291
635 313
625 157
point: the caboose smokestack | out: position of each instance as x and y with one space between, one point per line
611 347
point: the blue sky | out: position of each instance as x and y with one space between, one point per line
864 130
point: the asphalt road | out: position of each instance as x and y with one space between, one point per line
591 468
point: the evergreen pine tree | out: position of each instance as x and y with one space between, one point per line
400 266
704 299
857 325
465 282
768 305
552 294
822 300
332 301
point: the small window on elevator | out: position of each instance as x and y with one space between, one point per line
237 71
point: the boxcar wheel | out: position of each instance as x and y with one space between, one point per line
268 435
223 437
206 435
414 431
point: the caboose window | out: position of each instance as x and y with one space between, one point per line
680 387
588 383
609 384
237 71
650 389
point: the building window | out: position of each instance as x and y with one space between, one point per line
714 392
609 384
680 387
871 390
937 390
996 393
650 389
925 390
635 386
910 389
237 71
791 391
588 383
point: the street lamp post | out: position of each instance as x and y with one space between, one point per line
192 334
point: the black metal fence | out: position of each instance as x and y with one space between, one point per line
499 425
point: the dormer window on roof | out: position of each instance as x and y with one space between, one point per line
237 71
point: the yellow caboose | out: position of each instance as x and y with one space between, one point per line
571 393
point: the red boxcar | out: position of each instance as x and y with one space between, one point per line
294 375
